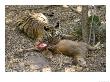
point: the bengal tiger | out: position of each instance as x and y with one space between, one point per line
34 25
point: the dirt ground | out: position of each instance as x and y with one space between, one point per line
35 61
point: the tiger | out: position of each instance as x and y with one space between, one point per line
34 25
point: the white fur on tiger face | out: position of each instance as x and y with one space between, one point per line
40 17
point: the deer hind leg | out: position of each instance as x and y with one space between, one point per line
80 60
97 46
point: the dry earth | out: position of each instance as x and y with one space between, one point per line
35 61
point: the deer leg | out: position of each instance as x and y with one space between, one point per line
26 50
80 60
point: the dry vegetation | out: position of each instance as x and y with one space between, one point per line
34 61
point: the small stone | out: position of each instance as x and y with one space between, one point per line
69 69
46 69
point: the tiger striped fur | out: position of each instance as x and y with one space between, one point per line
33 25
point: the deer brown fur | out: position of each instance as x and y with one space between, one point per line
74 49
